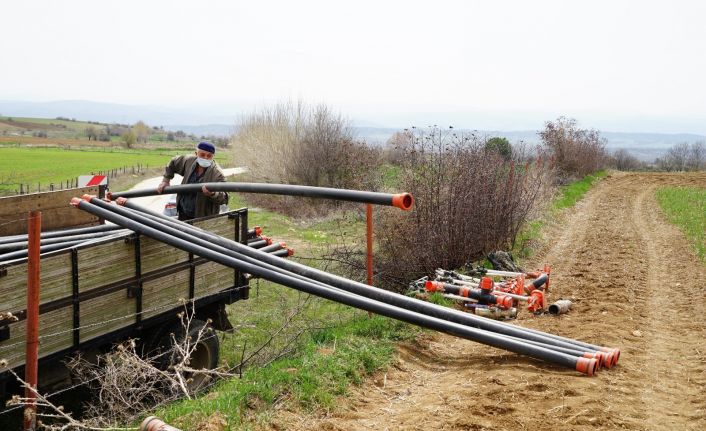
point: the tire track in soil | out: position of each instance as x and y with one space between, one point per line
626 270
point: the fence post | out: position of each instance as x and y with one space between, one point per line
369 240
32 347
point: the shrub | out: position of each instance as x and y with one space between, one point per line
622 160
501 146
298 144
576 152
129 138
468 201
683 157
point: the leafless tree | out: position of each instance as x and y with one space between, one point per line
298 144
622 160
577 152
697 156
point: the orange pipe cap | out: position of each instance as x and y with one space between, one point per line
403 201
586 366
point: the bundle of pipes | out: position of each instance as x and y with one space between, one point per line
578 355
15 246
513 285
266 244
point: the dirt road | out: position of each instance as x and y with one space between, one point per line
635 283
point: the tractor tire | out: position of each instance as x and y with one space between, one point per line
205 355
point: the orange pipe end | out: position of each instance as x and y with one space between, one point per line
504 301
597 356
290 252
75 201
486 283
121 201
283 244
432 286
258 230
87 197
615 352
403 201
586 366
600 357
109 196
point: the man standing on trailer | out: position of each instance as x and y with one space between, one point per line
197 168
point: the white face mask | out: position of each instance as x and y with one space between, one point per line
204 163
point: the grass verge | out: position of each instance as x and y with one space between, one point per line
301 350
329 361
686 208
27 165
566 197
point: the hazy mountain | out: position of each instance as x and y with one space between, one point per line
112 113
211 121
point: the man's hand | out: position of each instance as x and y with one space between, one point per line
161 186
206 192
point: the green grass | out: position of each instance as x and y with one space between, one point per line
329 361
686 208
572 193
566 197
324 232
335 346
28 165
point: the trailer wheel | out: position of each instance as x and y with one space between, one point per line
205 354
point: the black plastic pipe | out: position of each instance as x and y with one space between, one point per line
282 253
184 230
258 244
600 356
584 365
273 247
539 281
21 245
371 291
43 249
63 232
254 232
483 298
402 200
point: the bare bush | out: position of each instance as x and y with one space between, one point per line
697 156
397 146
683 157
469 200
298 144
577 152
129 381
622 160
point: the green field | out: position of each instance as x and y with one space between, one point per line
686 208
24 165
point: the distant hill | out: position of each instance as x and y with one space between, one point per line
646 146
111 113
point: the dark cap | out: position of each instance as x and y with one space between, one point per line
206 146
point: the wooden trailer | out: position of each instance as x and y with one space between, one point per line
93 295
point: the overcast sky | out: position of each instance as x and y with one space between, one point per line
619 65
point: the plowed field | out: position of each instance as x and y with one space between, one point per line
635 283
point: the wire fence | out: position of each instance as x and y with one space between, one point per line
9 187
